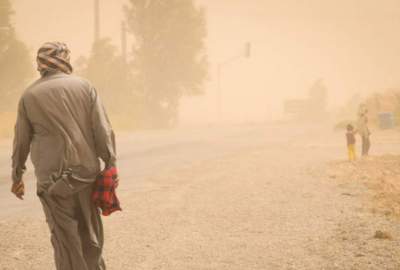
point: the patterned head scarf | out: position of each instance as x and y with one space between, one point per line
53 56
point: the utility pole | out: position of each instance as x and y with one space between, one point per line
96 20
219 93
5 27
123 42
124 54
246 53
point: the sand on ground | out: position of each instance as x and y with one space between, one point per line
271 198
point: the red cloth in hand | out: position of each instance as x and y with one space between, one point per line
104 195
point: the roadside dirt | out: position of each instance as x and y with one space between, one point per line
279 206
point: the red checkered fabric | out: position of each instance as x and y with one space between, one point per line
104 195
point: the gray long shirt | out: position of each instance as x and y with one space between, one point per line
62 123
362 126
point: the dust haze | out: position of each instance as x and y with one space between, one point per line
250 134
351 45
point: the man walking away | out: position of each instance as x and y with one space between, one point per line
62 122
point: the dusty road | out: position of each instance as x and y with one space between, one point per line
245 197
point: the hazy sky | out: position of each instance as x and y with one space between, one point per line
352 44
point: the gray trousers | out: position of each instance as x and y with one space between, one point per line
366 145
76 230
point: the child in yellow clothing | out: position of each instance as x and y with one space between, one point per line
351 142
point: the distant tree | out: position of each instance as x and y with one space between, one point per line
169 54
104 68
318 95
16 67
397 110
112 78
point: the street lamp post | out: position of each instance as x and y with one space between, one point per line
243 54
96 20
5 27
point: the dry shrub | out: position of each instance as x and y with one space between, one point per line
381 175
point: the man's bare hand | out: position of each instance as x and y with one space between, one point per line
18 188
